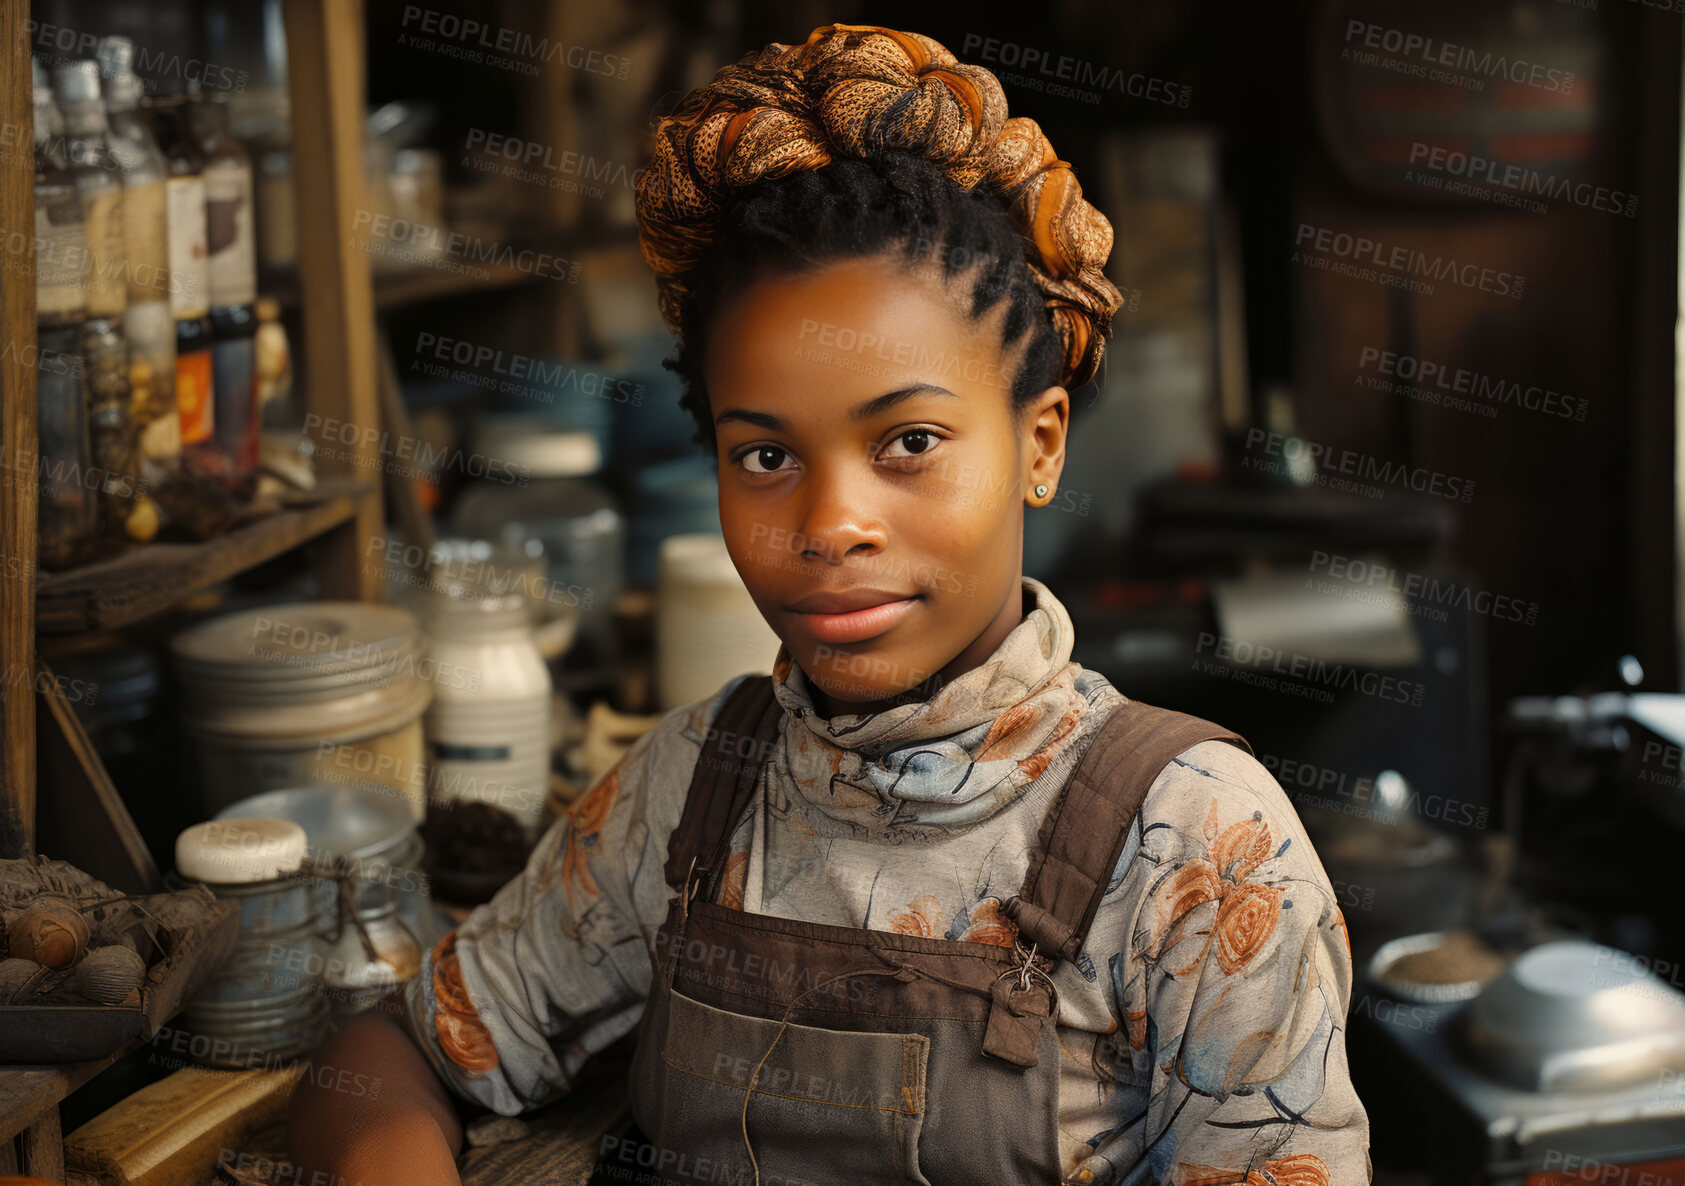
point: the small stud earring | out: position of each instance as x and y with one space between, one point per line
1041 491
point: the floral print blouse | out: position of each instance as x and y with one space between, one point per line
1202 1028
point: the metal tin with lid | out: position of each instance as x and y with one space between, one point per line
325 692
265 1001
373 845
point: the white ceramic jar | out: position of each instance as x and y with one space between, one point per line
488 728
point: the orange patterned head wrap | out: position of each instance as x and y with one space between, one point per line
856 91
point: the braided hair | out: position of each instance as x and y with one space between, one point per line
864 141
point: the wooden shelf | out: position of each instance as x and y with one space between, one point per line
151 577
392 289
27 1092
396 287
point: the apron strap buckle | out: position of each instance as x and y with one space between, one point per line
1021 1003
1016 1018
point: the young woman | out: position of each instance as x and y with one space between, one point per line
935 903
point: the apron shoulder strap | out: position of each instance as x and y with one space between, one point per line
743 733
1086 828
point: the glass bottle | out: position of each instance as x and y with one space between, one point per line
146 234
67 511
105 350
189 278
231 245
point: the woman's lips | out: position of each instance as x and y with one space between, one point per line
857 625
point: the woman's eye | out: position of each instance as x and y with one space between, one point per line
915 441
764 460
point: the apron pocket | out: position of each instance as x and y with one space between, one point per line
827 1106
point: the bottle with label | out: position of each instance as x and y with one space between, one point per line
105 351
148 324
67 511
190 287
488 726
231 246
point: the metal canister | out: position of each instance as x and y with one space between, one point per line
265 1003
318 693
370 898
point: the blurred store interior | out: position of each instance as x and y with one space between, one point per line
1379 472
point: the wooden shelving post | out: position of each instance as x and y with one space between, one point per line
325 63
17 486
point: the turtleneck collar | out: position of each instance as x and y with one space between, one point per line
955 757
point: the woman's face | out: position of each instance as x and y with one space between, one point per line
873 474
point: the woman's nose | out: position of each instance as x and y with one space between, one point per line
837 523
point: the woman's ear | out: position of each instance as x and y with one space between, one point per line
1048 417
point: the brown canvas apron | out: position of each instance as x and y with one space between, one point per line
785 1052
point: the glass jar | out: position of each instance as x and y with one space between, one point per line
550 500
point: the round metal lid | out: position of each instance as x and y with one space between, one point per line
304 642
1576 1016
344 821
539 447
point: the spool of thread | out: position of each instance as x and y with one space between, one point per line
240 851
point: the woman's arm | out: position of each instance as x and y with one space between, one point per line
1231 976
370 1110
509 1005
